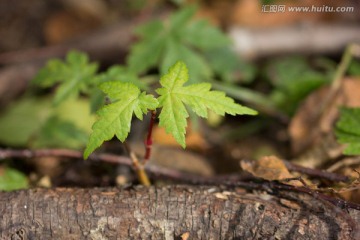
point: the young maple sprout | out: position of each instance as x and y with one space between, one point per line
127 99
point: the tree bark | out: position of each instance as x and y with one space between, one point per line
167 213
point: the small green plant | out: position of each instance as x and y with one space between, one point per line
348 130
76 80
127 99
161 43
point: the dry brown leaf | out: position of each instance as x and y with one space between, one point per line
269 168
351 192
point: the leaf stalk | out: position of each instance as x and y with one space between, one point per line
148 141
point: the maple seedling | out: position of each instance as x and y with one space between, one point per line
127 99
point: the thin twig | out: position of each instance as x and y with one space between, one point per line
241 180
138 167
140 170
316 172
154 170
336 201
347 162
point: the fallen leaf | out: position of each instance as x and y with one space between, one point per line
269 168
351 191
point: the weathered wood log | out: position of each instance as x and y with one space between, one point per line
167 213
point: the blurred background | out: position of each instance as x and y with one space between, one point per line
35 23
284 55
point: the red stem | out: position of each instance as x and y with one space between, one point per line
148 141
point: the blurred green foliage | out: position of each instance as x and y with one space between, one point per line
354 68
57 132
196 42
12 179
34 122
293 78
74 75
348 130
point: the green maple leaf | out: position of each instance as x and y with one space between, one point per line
114 73
115 118
164 43
348 130
74 75
199 97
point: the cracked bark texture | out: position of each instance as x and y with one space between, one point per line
167 213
